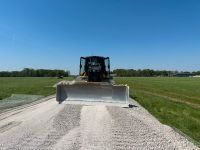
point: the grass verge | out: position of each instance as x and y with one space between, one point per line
27 85
170 100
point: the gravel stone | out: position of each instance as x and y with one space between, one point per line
48 125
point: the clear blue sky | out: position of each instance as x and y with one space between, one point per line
53 34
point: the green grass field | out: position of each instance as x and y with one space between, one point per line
27 85
174 101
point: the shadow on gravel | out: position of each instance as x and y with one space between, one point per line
131 106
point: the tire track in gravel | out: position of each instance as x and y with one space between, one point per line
67 119
137 129
40 128
95 128
92 127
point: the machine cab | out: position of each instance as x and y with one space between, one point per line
95 68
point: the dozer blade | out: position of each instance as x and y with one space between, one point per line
93 92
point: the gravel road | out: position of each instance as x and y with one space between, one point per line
48 125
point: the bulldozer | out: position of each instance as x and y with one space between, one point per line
94 84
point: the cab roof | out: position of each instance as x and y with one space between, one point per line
95 57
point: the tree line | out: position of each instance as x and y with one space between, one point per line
28 72
149 73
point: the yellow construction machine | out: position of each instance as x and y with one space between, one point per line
94 84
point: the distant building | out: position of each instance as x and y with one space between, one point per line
184 74
196 76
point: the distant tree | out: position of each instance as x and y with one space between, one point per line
141 73
29 72
196 72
